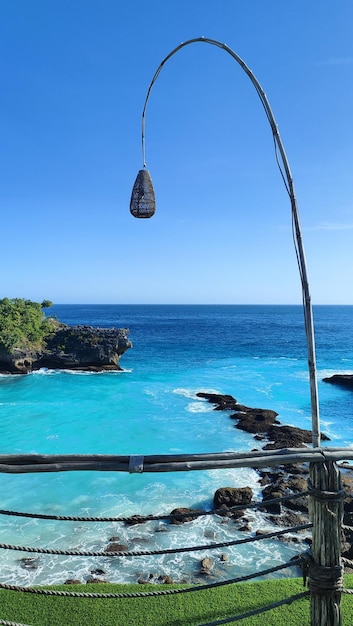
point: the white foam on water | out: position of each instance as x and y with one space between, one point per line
151 495
157 535
43 371
267 390
191 393
80 412
326 373
199 407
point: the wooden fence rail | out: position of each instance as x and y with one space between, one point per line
29 463
323 565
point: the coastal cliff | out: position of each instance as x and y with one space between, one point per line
29 340
70 347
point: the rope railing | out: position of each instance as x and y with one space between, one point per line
162 592
209 546
140 519
5 622
323 580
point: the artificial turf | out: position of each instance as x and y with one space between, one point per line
187 609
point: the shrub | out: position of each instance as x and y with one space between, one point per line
23 324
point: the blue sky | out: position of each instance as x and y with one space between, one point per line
74 76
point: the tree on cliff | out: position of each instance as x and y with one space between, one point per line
23 324
46 304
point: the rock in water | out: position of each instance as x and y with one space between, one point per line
343 380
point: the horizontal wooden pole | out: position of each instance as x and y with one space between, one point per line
32 463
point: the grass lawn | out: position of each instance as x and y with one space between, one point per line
190 609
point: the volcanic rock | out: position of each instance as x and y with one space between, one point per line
182 515
254 420
289 437
72 581
206 566
227 497
71 347
223 402
288 519
93 580
116 547
343 380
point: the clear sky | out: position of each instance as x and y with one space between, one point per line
74 76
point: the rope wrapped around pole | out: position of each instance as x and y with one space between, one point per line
324 565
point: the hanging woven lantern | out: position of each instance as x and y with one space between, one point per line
143 202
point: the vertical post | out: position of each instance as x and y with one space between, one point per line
325 568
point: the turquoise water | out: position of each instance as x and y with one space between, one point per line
257 354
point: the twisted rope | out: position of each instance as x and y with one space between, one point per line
325 496
322 580
147 518
209 546
144 594
6 623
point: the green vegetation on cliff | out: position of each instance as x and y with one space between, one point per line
23 324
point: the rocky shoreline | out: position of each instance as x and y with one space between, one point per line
234 505
281 480
276 482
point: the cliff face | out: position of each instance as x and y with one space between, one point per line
72 347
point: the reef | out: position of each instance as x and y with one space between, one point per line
343 380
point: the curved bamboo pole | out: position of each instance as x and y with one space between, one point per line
297 236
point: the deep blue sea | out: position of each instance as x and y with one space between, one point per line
258 354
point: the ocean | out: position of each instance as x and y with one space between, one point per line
258 354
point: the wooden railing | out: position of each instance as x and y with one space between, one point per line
321 566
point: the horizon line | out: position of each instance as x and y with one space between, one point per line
193 304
